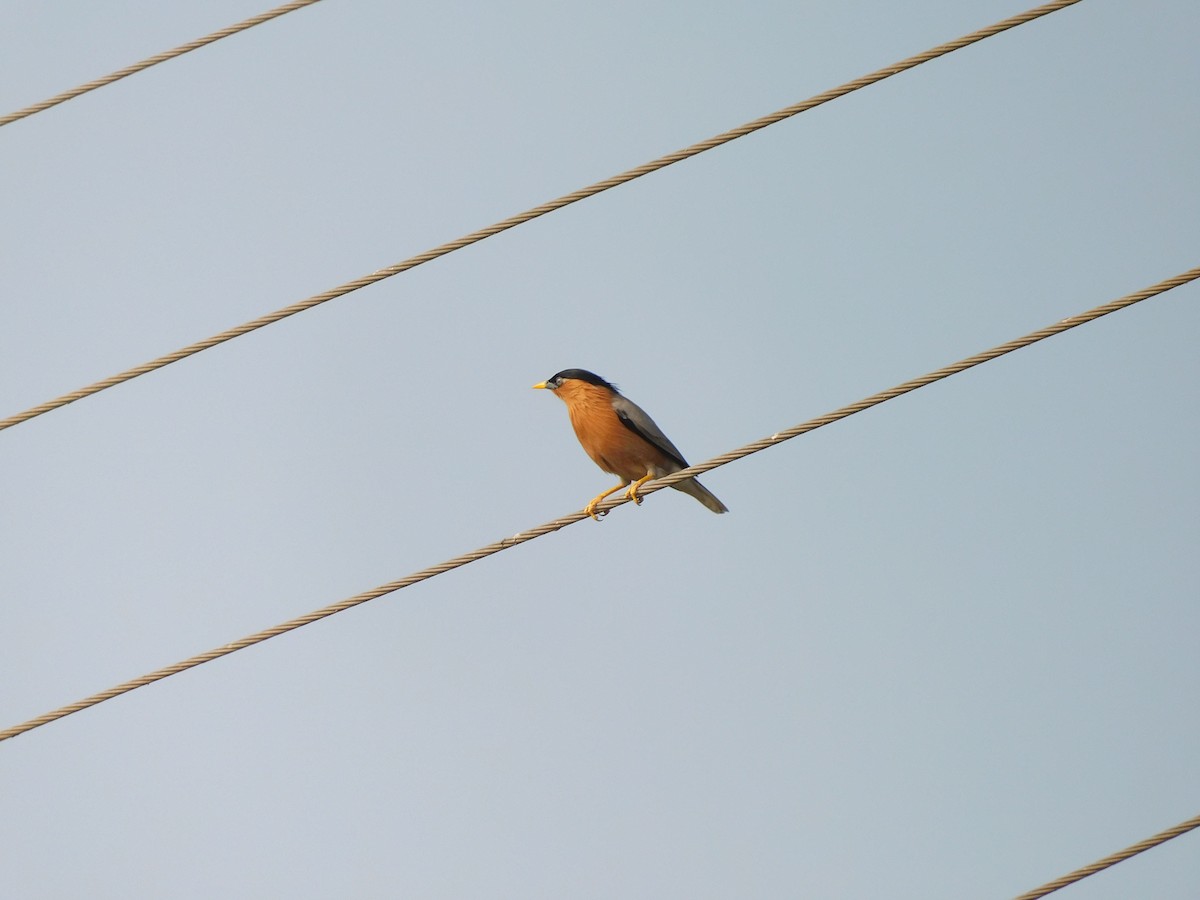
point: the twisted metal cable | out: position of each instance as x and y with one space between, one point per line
537 211
1100 865
563 521
154 61
945 372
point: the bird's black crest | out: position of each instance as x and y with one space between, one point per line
580 375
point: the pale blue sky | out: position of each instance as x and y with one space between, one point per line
944 649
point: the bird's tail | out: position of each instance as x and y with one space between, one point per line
695 489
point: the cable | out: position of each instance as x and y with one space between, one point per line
1100 865
565 200
563 521
154 60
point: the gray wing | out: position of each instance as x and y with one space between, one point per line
635 419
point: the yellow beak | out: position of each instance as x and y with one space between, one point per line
541 385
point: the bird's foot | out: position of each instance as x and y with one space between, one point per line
591 510
632 493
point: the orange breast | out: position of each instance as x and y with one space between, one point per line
611 445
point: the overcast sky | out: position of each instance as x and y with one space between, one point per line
946 648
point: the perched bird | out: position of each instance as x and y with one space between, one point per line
620 438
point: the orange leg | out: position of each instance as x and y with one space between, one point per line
590 509
632 493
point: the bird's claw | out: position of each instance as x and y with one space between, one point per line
632 493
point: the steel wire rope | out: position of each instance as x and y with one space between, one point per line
154 61
1120 856
537 211
563 521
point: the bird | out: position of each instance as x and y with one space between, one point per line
620 438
